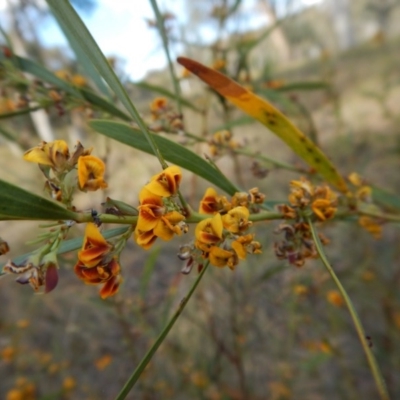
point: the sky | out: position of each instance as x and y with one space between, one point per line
120 29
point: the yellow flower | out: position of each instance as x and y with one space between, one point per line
323 209
53 154
335 298
236 220
166 183
218 64
244 245
209 230
185 73
355 179
63 74
371 225
301 290
90 173
78 80
220 257
15 394
69 383
7 105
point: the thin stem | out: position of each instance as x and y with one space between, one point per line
161 29
147 358
379 381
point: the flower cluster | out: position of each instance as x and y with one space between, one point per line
223 239
159 215
65 171
98 263
164 116
220 141
306 200
363 194
305 196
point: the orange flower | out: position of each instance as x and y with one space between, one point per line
108 274
335 298
95 264
90 173
166 183
53 154
158 104
236 220
103 362
94 247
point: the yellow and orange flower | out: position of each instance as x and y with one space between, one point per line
208 232
321 198
371 225
209 204
158 104
53 154
236 220
220 257
96 265
155 221
335 298
213 203
94 247
244 245
166 183
91 173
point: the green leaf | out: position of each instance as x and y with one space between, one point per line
388 201
19 204
71 22
311 85
166 93
171 151
43 74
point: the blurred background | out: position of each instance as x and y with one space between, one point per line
268 330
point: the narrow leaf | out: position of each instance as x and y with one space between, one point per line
269 116
311 85
171 151
388 201
43 74
73 24
17 203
